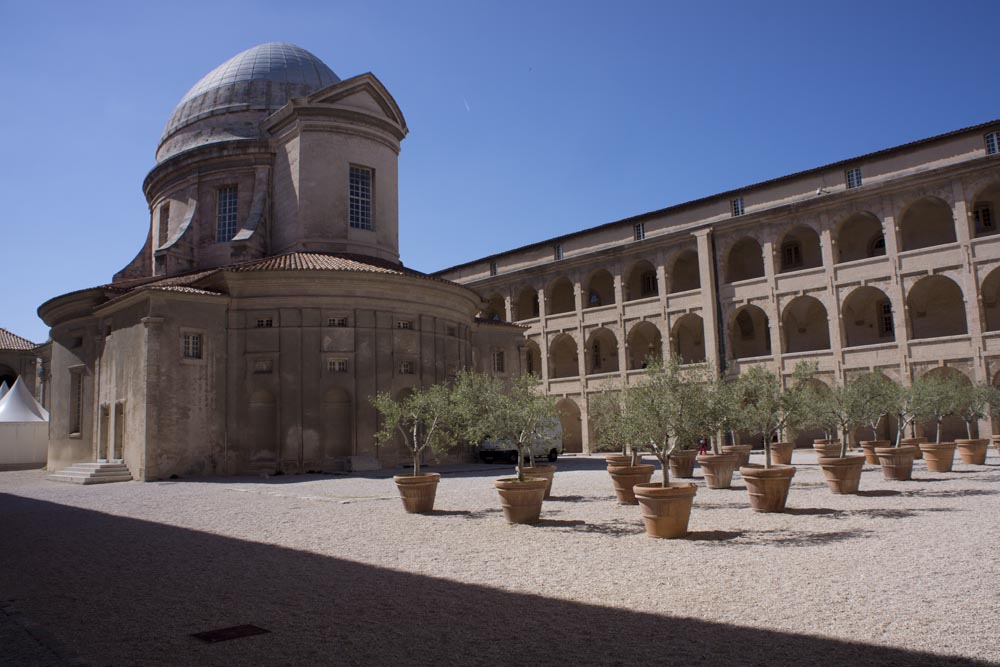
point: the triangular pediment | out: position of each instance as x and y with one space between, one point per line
364 94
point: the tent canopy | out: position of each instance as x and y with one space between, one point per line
18 405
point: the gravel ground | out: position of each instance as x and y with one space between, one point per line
120 574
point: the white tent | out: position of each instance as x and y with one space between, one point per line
4 388
24 429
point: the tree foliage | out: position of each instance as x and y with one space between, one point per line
424 419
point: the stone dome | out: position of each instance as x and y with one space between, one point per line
258 81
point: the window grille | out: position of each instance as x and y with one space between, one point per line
993 143
164 222
225 213
640 231
361 198
885 326
498 362
854 178
76 401
493 268
336 365
406 368
337 322
736 205
648 284
404 324
265 322
983 215
791 256
192 346
557 251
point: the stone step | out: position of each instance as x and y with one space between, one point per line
84 479
92 473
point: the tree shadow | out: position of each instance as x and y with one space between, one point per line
879 493
811 511
952 493
579 499
712 535
157 584
804 538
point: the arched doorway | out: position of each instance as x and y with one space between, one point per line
572 428
496 309
984 211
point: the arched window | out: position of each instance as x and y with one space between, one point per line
745 324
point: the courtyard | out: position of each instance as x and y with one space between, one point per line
331 566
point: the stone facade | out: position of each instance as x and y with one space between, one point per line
268 303
886 261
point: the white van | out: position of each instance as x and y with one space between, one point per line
547 446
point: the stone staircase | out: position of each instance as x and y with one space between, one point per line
92 473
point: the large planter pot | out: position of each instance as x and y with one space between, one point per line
996 441
521 501
418 491
743 451
826 448
781 453
768 486
666 510
545 472
973 452
940 456
897 462
842 474
624 478
682 463
618 459
718 469
916 443
868 447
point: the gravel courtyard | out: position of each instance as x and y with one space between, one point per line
331 566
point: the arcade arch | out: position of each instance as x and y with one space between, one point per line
927 222
745 261
867 316
644 341
749 333
804 325
936 308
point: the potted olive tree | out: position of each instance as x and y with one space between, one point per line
423 421
765 407
721 414
612 415
844 406
936 397
514 411
976 402
876 392
897 461
667 407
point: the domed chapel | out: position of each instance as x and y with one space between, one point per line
268 302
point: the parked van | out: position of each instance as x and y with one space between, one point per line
547 446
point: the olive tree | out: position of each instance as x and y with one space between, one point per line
766 408
423 419
876 393
612 416
936 396
843 407
975 402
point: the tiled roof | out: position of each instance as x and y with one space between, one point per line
499 323
182 289
10 341
311 261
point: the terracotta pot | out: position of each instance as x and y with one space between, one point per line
618 459
682 463
545 472
897 462
827 448
868 447
973 452
718 469
825 441
742 450
781 453
666 510
768 487
418 491
521 501
940 456
996 441
625 477
915 442
842 474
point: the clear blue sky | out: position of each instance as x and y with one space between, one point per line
527 119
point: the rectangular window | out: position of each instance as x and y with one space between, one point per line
451 331
164 222
361 198
192 346
406 368
557 251
853 178
639 231
993 143
337 322
498 362
983 214
493 268
225 213
404 324
265 322
75 401
648 284
791 256
737 206
336 365
885 327
263 366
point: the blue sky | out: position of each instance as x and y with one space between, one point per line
527 119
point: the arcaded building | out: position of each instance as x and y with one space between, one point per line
886 261
268 303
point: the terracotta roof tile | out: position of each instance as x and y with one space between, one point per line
11 341
310 261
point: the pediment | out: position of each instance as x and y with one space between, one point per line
363 94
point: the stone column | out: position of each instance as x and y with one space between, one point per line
152 330
709 299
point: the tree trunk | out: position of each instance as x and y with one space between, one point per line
520 464
665 464
968 429
938 438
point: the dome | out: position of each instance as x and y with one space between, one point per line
261 80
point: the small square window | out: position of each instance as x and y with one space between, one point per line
404 324
451 331
337 322
993 143
557 251
265 322
192 346
639 231
336 365
406 368
736 205
263 366
853 177
498 362
493 268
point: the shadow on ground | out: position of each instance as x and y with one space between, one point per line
114 590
